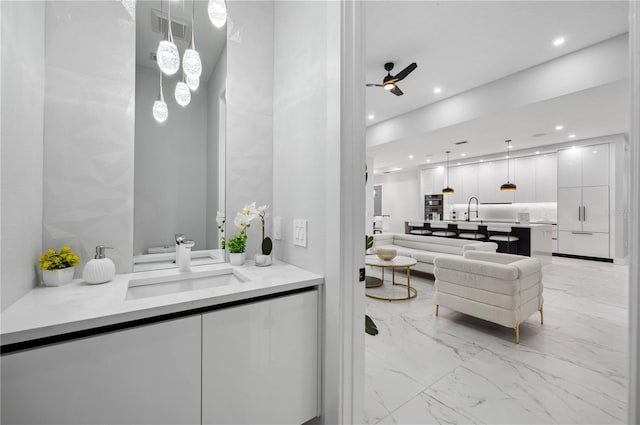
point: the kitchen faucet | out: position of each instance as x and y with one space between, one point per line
469 208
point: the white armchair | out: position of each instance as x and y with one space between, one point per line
501 288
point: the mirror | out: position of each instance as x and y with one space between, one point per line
179 163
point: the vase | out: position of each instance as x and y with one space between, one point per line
58 277
262 260
237 258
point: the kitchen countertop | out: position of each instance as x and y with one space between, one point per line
487 221
50 311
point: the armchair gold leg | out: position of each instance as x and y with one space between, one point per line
437 307
517 329
541 315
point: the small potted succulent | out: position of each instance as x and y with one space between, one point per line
58 267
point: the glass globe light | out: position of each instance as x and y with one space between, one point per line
183 95
191 63
193 83
217 12
168 57
160 111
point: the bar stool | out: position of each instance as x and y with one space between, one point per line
445 232
470 231
501 233
420 230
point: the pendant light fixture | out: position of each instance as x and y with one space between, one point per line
508 186
167 55
191 63
217 12
193 83
182 93
447 190
160 110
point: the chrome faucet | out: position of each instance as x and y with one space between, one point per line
469 208
183 252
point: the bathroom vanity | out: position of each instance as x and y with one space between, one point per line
243 349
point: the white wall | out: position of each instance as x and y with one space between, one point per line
401 198
22 106
89 128
250 82
634 246
318 175
170 165
215 132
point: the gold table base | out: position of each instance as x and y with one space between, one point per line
411 292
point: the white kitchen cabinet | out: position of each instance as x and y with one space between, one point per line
469 182
486 191
595 209
432 180
546 178
570 209
595 165
584 166
524 176
583 201
144 375
500 178
586 244
260 362
456 181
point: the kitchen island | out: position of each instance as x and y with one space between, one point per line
535 239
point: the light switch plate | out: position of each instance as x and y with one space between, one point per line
277 228
300 232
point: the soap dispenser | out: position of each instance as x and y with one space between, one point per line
101 269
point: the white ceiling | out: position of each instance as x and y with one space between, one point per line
459 45
210 41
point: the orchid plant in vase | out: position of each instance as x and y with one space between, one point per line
221 219
264 259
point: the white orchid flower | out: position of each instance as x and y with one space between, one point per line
262 211
220 217
250 211
241 221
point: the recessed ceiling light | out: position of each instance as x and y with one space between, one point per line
428 160
559 41
463 154
510 147
437 90
594 151
482 160
396 169
410 156
506 157
371 116
559 127
571 136
537 152
459 163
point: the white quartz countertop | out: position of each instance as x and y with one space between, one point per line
489 221
51 311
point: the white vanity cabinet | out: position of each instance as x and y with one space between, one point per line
260 362
143 375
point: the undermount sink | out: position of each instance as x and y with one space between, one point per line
164 285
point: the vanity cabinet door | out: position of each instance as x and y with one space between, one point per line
144 375
260 362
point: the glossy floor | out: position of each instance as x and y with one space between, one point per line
423 369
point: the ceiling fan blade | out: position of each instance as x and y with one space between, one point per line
374 85
396 90
402 74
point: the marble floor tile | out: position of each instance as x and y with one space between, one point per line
456 368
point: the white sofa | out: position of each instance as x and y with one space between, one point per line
501 288
425 249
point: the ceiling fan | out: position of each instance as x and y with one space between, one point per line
389 82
